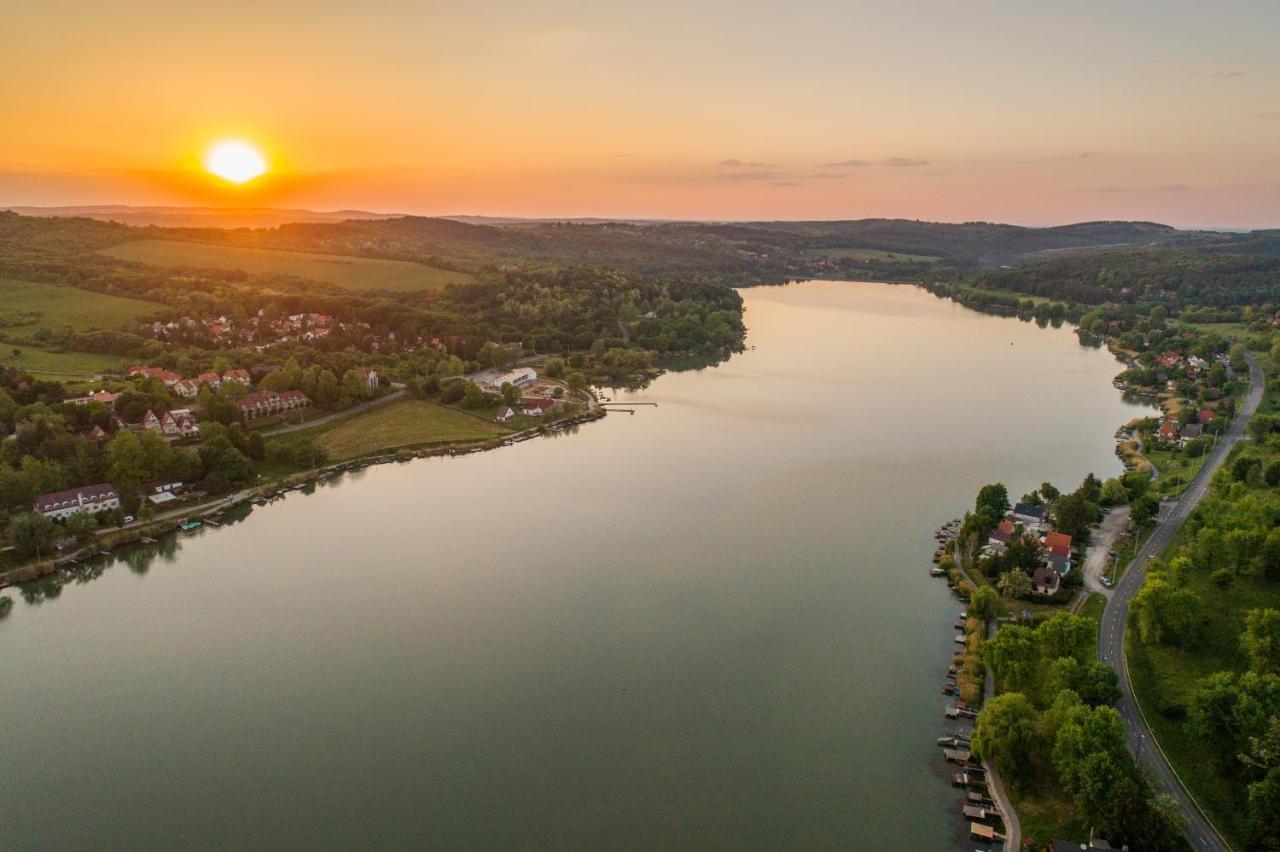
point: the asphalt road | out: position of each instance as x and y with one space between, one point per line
1200 831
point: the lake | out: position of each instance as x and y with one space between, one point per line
708 624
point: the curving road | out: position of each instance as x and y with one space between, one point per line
1200 831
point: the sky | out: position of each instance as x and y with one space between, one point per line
1028 112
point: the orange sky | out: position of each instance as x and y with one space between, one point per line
1026 112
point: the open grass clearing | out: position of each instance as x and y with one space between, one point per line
353 273
28 305
57 365
405 423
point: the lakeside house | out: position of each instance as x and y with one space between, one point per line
538 407
505 415
1190 432
1002 534
1058 544
1028 513
1168 430
88 498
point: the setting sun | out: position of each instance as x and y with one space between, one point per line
235 160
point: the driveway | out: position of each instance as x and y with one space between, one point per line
1103 539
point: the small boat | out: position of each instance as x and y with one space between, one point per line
190 524
936 572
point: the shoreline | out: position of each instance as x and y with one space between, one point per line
106 541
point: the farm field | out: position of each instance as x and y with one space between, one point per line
353 273
871 254
27 305
406 423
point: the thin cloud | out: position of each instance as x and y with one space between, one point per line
1269 113
745 176
903 162
846 164
1090 155
785 183
1226 74
747 164
1168 187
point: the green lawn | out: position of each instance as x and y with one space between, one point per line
354 273
27 305
57 365
1094 606
405 423
871 254
1177 469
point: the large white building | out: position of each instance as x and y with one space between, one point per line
88 498
519 377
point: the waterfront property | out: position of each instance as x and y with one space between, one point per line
89 499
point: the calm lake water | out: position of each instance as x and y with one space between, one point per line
705 625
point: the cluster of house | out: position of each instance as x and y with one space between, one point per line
265 403
1170 431
174 424
1192 366
1030 519
261 333
190 388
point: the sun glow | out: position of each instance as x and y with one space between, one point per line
235 160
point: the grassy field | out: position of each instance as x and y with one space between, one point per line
1229 330
353 273
1021 297
871 254
57 365
406 423
26 305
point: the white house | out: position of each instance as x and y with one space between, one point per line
89 498
505 414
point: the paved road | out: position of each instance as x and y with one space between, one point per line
1200 831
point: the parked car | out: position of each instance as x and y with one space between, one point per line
128 519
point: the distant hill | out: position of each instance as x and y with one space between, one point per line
199 217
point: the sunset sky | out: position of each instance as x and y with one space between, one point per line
1028 112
